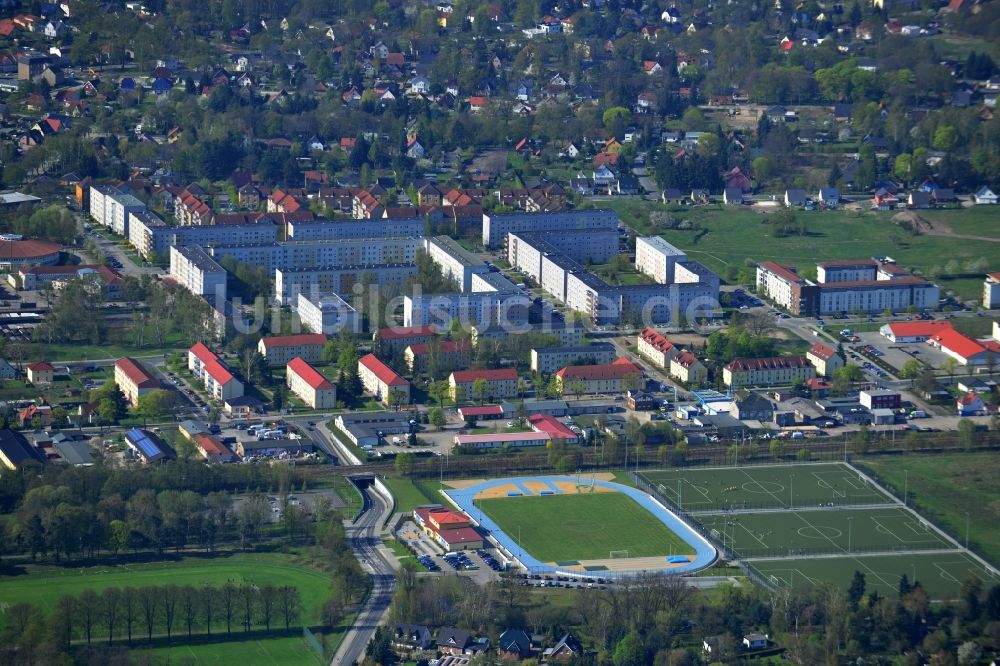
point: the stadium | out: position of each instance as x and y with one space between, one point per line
581 526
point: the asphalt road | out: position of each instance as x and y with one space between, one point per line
364 540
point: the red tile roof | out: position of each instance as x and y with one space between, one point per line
782 271
385 374
484 410
39 366
961 344
969 398
653 337
446 347
766 363
618 370
918 329
212 447
685 359
294 340
308 374
137 374
213 366
27 249
398 332
820 350
467 376
551 426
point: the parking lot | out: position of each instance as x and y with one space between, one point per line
897 354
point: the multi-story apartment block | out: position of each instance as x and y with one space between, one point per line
455 261
290 282
685 367
782 370
213 373
278 350
437 354
313 388
883 285
657 258
509 307
134 380
991 291
327 313
496 226
499 384
197 272
382 381
615 377
549 359
395 339
148 234
655 348
110 207
317 230
323 253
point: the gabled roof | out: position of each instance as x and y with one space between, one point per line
309 374
502 374
685 359
40 366
136 373
384 373
749 364
276 341
397 332
618 370
819 350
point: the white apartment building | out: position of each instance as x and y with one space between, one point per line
496 226
278 350
147 233
326 313
323 253
781 370
549 359
314 230
655 348
469 308
685 367
455 261
991 291
213 373
657 258
197 272
290 282
110 207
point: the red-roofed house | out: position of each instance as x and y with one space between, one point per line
445 355
970 404
382 381
501 383
40 372
133 379
655 348
686 367
280 349
282 202
964 349
824 359
480 412
397 338
313 388
607 378
781 370
451 529
213 373
212 449
553 427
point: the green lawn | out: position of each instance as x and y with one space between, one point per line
410 494
288 651
43 585
949 488
556 528
727 239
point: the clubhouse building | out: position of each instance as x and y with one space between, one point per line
451 529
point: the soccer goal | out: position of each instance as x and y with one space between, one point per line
619 555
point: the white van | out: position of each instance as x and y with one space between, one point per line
918 414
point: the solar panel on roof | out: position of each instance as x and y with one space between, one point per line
142 441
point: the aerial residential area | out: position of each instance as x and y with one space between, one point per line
465 333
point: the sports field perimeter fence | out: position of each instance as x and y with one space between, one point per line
748 571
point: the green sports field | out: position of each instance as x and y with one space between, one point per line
749 488
291 651
941 574
780 533
560 528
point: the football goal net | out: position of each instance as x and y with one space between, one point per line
619 554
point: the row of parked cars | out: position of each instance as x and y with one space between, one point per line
490 561
428 563
459 562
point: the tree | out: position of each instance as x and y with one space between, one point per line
267 601
966 433
227 603
856 590
630 650
439 390
437 418
404 464
119 536
480 389
111 600
911 369
87 611
158 404
289 604
130 609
